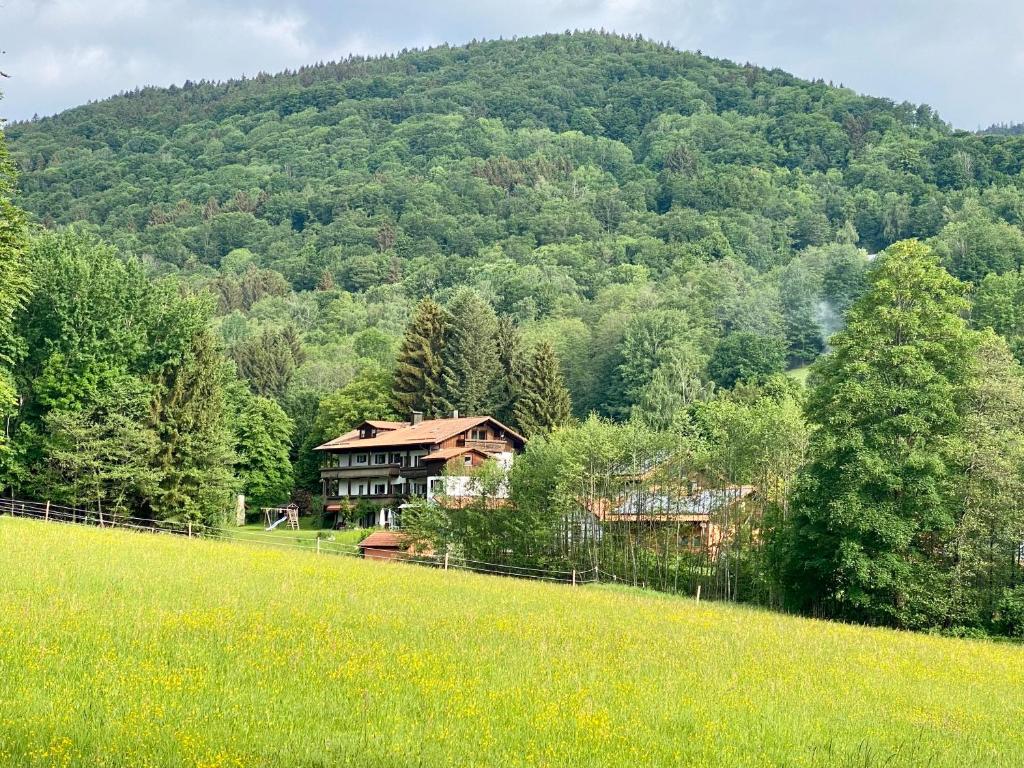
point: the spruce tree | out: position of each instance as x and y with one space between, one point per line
513 362
190 415
420 367
875 506
269 361
544 403
471 363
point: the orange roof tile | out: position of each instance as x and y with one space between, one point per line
383 540
427 432
443 454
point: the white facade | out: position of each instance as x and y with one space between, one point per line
462 486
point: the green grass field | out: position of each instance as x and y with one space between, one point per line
305 538
130 649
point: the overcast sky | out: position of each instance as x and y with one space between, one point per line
964 58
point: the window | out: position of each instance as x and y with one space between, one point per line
362 490
380 458
396 458
360 458
478 434
380 489
468 460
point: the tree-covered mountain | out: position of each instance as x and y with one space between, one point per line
610 194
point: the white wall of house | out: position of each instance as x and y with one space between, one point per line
458 486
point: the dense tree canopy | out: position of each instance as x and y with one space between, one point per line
878 502
572 180
578 229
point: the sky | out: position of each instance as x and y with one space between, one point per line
964 58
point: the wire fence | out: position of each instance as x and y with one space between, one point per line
62 514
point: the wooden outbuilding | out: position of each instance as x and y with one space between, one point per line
383 545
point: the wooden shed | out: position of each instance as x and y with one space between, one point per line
383 545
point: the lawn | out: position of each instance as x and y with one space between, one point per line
800 374
302 538
133 649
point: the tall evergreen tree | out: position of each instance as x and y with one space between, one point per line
544 403
420 368
471 363
268 361
191 419
874 507
512 361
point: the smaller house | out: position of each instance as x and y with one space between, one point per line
701 519
383 545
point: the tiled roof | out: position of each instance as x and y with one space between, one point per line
427 432
383 540
386 424
699 505
443 454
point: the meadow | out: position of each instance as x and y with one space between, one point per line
133 649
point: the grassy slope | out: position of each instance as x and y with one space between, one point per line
130 649
302 537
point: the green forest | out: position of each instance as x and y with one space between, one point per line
614 246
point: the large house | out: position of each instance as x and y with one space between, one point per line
387 462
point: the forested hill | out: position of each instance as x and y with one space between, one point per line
451 150
633 204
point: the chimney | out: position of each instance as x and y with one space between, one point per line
417 417
455 413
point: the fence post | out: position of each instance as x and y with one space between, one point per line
46 515
190 529
698 593
574 577
446 561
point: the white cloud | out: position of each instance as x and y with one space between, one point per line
76 14
286 32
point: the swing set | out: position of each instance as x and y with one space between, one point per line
289 513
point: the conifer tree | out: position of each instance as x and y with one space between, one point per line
268 361
544 403
513 362
191 419
471 363
418 374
